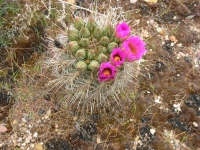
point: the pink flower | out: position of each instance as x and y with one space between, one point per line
134 48
117 57
123 30
107 72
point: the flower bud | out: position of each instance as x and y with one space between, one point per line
102 57
73 34
78 23
91 54
80 54
102 49
85 42
81 65
94 65
104 41
111 46
97 33
73 46
108 30
91 24
84 32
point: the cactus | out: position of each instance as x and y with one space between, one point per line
73 46
80 54
73 34
78 23
84 42
81 65
98 64
94 65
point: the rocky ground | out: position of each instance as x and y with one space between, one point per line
165 109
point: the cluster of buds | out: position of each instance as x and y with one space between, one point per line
103 50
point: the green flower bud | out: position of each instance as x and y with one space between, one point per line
91 54
108 30
73 34
102 57
80 54
73 46
91 24
84 32
97 33
104 41
78 23
102 49
85 42
94 65
111 46
81 65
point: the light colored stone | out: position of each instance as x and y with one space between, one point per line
98 140
133 1
195 124
172 38
24 120
19 139
152 131
27 140
15 122
35 134
29 137
3 129
38 147
48 113
46 117
32 145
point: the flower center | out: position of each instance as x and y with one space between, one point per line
123 27
106 72
132 48
117 58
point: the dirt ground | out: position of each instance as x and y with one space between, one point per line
164 113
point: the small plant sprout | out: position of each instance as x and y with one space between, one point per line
100 61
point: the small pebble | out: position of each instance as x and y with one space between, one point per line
38 147
152 131
29 137
3 129
14 121
98 140
32 145
35 134
158 29
133 1
173 39
195 124
56 126
179 45
46 117
19 139
24 120
48 113
27 140
23 144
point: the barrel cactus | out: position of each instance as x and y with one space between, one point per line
97 63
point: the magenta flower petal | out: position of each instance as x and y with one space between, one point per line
107 72
117 57
122 30
134 48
